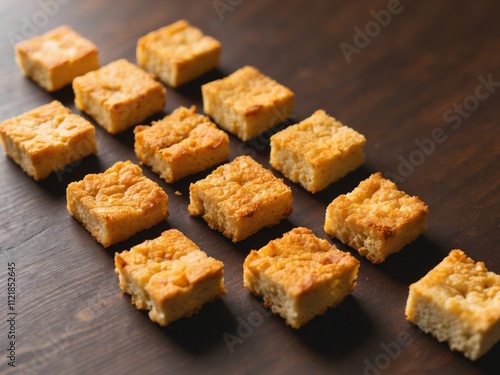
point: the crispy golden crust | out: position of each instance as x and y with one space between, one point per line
117 203
458 301
247 102
178 53
55 58
299 275
46 139
181 144
240 198
170 276
317 151
376 218
299 261
119 95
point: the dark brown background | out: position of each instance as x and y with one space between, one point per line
73 318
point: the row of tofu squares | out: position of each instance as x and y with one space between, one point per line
120 94
240 198
301 276
315 152
245 103
248 196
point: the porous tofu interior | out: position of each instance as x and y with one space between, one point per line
459 302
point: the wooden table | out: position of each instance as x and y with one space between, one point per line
419 79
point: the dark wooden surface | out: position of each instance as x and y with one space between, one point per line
408 80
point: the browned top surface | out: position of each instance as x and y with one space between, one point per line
417 90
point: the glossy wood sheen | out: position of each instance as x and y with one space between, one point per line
411 81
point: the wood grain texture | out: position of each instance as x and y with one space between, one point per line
399 88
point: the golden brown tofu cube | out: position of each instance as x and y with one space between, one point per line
178 53
118 203
300 276
170 276
55 58
119 95
240 198
458 301
47 139
181 144
376 218
247 102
